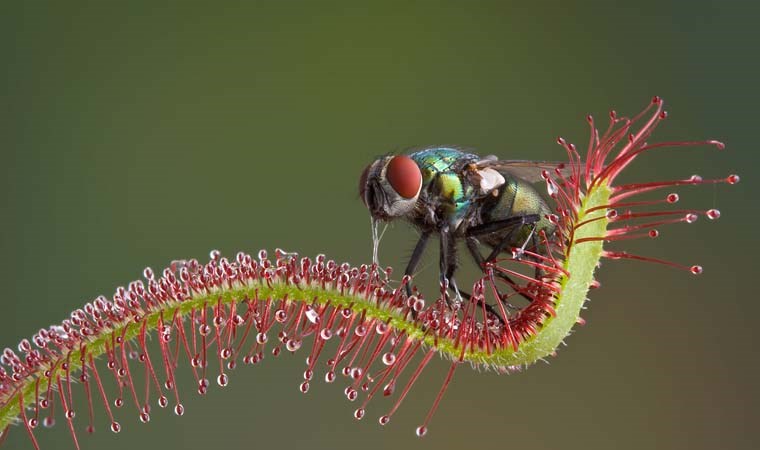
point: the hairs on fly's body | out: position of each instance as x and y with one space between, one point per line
352 322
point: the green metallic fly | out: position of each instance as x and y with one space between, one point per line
460 196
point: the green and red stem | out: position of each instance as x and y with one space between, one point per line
221 313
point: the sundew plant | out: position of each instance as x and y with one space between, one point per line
352 323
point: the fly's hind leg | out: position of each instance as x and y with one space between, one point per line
512 223
448 266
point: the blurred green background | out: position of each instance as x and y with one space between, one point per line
133 134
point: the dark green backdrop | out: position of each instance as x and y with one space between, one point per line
134 134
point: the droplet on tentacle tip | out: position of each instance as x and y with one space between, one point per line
311 315
261 338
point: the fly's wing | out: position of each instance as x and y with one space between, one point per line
527 170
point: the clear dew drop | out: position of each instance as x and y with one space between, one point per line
163 401
115 427
304 387
551 188
280 315
326 334
179 409
421 431
144 417
696 270
293 345
712 214
312 315
383 420
330 377
389 359
261 338
222 380
359 414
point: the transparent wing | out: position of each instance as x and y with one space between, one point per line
525 169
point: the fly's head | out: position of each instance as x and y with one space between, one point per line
390 187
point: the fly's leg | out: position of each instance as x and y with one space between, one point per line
531 238
489 308
515 223
448 264
414 261
472 246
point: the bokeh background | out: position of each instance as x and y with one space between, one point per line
137 133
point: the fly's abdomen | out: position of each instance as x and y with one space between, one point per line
516 198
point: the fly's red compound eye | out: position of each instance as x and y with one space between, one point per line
404 176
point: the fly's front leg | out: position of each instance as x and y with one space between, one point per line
414 261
